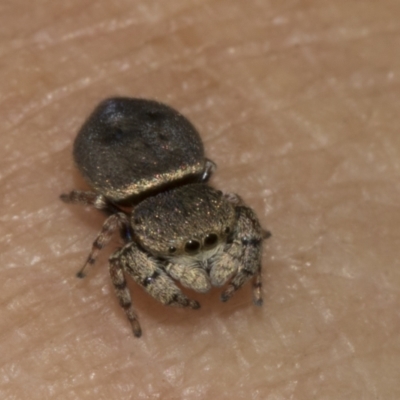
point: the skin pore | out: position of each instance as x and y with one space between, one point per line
297 103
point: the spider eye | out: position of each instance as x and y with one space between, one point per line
227 230
192 246
210 240
172 249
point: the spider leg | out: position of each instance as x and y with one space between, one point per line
122 293
257 284
112 223
87 198
245 255
147 273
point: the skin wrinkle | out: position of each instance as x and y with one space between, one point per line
261 50
272 107
80 84
101 28
32 36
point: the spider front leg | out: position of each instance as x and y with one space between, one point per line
122 293
241 259
149 274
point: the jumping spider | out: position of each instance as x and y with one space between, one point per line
145 157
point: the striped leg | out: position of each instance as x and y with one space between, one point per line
257 284
146 272
112 223
123 295
87 198
257 289
250 235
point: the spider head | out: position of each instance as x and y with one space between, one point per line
186 221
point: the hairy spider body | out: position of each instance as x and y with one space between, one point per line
179 228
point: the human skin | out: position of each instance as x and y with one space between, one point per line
297 103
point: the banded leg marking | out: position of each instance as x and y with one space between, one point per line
123 295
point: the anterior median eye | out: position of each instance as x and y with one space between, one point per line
210 240
192 246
